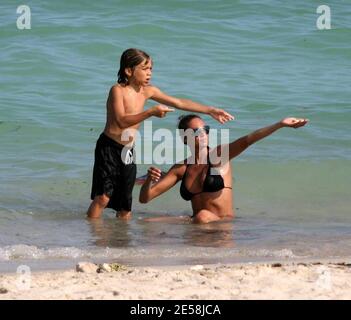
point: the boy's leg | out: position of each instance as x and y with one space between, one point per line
128 177
124 214
97 206
102 181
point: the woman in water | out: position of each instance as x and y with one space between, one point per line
207 185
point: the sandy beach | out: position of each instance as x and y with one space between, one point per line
250 281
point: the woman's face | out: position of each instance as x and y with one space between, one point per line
201 137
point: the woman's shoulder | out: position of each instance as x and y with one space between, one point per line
179 168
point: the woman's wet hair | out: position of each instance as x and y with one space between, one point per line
184 120
130 58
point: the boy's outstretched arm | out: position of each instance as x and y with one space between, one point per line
189 105
124 120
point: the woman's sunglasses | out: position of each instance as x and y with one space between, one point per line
199 131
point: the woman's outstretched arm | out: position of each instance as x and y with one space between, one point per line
238 146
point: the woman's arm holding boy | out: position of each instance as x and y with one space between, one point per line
189 105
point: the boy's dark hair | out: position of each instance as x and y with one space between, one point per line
185 119
129 59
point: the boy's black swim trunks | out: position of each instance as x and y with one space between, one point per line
113 176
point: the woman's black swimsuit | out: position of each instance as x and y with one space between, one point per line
212 183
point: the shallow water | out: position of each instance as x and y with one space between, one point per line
259 61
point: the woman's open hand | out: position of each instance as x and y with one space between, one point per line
293 122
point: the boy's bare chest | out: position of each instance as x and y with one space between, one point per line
134 103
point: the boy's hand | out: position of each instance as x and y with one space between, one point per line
293 122
160 111
220 115
154 174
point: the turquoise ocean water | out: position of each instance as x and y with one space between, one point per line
261 61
